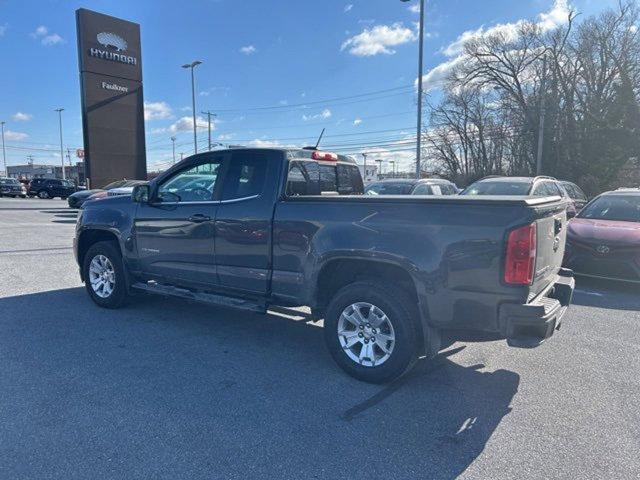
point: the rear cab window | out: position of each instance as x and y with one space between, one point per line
308 177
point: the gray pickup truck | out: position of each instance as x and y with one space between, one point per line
390 275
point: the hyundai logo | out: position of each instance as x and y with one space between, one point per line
603 249
112 40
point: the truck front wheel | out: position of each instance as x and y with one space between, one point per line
370 331
104 275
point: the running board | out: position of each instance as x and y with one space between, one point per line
198 296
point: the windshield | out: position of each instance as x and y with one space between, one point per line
498 188
116 184
625 208
389 189
8 181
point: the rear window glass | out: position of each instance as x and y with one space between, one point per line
389 189
498 188
312 178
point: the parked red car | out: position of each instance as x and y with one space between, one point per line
604 239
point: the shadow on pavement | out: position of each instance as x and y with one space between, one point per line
167 388
591 292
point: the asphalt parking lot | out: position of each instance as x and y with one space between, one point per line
170 389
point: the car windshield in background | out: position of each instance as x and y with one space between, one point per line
116 184
389 189
498 188
9 181
625 208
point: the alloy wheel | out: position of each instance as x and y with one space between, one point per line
102 276
366 334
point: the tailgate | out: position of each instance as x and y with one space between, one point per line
551 228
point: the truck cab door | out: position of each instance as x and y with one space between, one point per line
175 230
245 218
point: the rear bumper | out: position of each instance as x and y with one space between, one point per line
529 325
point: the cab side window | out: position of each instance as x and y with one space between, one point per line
195 184
246 176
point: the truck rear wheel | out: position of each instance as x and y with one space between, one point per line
104 276
370 331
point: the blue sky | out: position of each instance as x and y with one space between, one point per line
315 64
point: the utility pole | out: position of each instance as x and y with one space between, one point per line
4 153
209 115
364 156
60 110
173 145
393 167
193 65
543 87
181 156
420 89
30 160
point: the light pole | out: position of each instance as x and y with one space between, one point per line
173 146
4 153
379 168
209 115
420 55
193 65
60 110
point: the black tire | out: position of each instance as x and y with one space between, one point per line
119 296
44 195
401 312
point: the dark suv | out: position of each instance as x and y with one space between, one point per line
50 188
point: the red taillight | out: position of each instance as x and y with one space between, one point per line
326 156
520 261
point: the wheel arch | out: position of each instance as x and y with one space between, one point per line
339 272
90 237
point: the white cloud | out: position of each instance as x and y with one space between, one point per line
283 102
262 143
226 136
53 39
17 136
348 7
156 110
558 15
185 124
437 75
555 17
47 39
21 117
209 91
326 113
414 8
41 31
378 40
357 121
259 143
248 50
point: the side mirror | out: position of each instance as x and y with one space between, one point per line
140 194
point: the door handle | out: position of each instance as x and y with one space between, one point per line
199 218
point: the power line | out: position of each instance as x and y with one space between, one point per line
317 102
